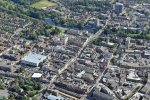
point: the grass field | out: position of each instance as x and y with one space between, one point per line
43 3
148 35
133 35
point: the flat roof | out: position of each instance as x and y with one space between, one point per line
36 75
118 3
34 58
147 53
53 97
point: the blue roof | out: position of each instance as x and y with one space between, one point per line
53 97
34 58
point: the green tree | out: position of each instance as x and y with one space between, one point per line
56 31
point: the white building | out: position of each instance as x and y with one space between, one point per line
133 76
33 59
52 97
37 75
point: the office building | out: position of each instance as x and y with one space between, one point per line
119 8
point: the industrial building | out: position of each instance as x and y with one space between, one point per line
33 59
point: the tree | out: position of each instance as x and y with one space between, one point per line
113 60
81 25
31 93
20 70
2 86
56 31
2 78
144 80
34 98
37 86
16 89
33 36
11 97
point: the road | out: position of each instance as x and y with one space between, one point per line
10 39
103 73
90 39
72 60
99 78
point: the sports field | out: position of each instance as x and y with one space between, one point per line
43 3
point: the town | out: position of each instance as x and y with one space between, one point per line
80 52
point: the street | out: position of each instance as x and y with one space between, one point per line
70 62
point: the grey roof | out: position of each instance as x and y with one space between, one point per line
118 3
147 53
97 95
34 58
52 97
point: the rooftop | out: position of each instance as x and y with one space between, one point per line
36 75
118 3
147 53
34 58
52 97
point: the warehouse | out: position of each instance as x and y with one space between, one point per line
33 59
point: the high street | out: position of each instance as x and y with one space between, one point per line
71 61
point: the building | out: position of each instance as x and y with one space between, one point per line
6 68
33 59
37 75
98 23
97 95
12 57
127 42
133 76
2 49
146 54
119 8
53 97
146 88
